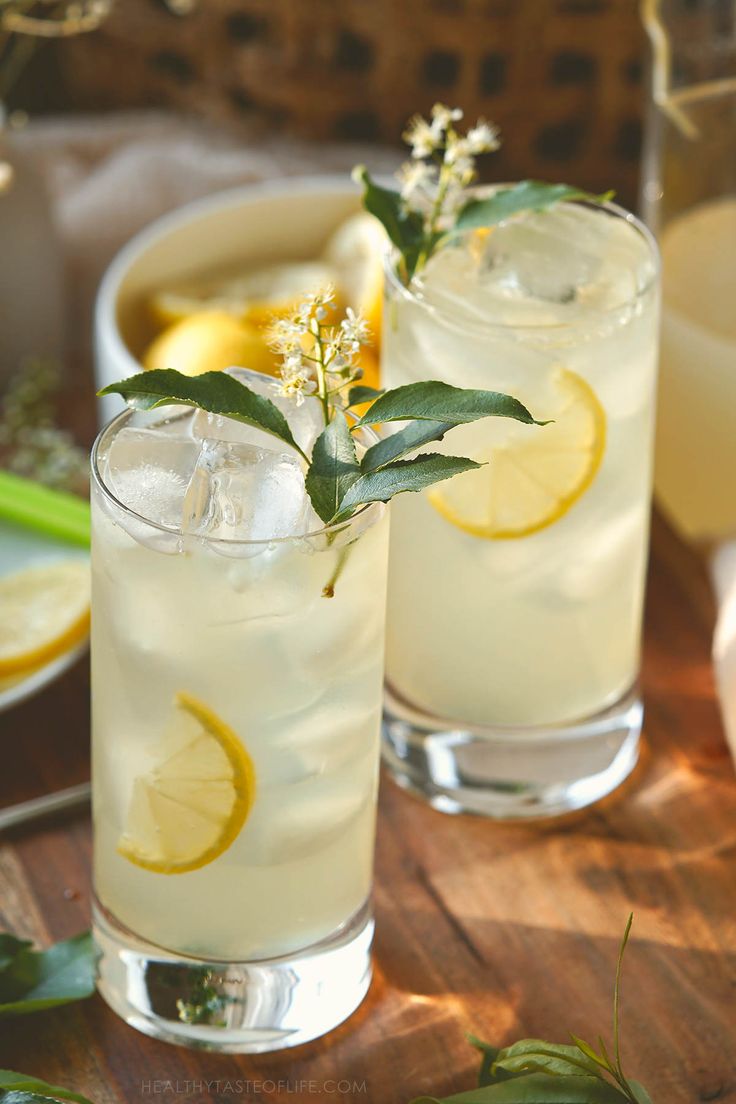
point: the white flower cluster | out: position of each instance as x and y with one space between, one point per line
317 357
443 163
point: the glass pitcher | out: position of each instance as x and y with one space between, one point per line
689 200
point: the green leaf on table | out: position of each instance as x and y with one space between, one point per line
537 1088
35 980
487 1075
528 195
441 402
401 443
404 475
21 1088
10 947
361 394
334 468
589 1052
404 227
535 1055
215 392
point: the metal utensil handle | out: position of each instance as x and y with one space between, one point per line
37 807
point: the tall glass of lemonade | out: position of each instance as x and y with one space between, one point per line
516 590
237 675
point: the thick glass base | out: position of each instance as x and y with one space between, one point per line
234 1007
511 773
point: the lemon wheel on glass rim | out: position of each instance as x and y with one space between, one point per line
190 807
531 480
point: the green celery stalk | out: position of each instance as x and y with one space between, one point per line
34 506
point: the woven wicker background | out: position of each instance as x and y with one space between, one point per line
561 77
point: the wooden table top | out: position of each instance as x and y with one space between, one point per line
506 931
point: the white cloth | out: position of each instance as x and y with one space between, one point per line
723 574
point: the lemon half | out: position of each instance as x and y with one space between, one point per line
44 611
533 478
193 804
254 296
208 342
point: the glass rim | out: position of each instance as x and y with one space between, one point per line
98 480
614 210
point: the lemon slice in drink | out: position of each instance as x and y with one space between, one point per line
44 611
208 342
192 805
536 474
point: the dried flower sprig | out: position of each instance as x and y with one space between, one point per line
433 203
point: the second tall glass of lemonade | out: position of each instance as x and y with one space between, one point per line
516 590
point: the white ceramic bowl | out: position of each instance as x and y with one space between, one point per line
274 221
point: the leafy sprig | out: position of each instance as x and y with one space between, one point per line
320 367
533 1071
432 203
31 981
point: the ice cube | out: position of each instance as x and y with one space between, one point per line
305 421
149 470
242 493
543 268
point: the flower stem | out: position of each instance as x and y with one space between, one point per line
321 375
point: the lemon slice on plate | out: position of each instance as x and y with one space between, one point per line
44 611
536 474
208 342
193 804
355 252
255 296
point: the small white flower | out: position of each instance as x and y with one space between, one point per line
296 387
355 329
423 138
416 176
285 335
483 137
444 116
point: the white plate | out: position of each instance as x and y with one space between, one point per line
21 548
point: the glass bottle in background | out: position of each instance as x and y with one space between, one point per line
689 200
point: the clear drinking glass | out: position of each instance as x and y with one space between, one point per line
689 200
237 690
515 591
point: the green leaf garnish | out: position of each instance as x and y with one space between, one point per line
31 981
336 482
436 401
533 1071
528 195
403 475
401 443
404 227
432 205
215 392
360 394
334 468
21 1088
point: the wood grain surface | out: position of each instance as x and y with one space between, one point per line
506 931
